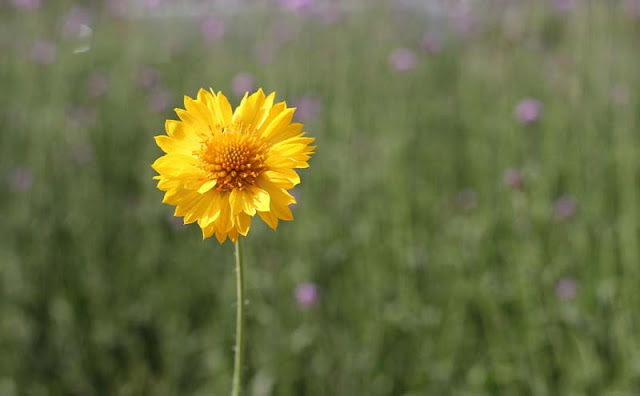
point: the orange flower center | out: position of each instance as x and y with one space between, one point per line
234 158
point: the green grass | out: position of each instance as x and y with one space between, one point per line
100 294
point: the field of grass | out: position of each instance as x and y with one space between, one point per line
461 241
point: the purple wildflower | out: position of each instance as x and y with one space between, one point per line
633 8
27 5
307 295
21 179
212 28
331 14
76 21
566 289
403 59
82 154
564 5
43 53
159 100
431 44
513 178
298 5
148 77
242 83
528 111
463 20
266 53
564 208
620 94
98 85
308 107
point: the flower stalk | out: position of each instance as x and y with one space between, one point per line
237 366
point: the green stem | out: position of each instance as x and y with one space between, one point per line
237 367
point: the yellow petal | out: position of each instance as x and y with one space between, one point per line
243 223
240 201
233 235
211 214
264 110
223 109
221 236
260 199
207 231
208 185
169 145
179 130
197 124
249 106
269 218
286 132
175 165
224 221
278 124
199 110
283 178
273 113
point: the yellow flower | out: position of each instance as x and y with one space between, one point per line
221 168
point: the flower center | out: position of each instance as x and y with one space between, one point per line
234 158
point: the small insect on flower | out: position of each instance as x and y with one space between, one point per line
223 167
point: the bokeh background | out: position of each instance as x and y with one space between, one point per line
468 226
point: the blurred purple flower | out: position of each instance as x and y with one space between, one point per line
564 5
528 111
98 85
148 77
21 179
212 28
307 295
118 8
466 199
308 107
266 53
431 43
566 288
241 83
152 3
298 5
28 5
513 178
82 154
620 94
564 208
403 59
633 8
43 53
463 19
331 14
81 118
285 32
76 21
159 100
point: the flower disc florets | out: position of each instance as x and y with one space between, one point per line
233 158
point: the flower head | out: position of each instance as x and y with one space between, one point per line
564 208
566 288
307 294
28 5
223 167
528 111
43 53
403 59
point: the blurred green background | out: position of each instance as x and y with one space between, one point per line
468 226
